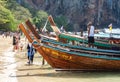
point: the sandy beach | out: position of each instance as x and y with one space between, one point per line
14 68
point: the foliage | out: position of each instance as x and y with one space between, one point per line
29 7
12 14
6 19
20 13
3 2
40 19
61 21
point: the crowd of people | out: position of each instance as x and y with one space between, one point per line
18 45
7 34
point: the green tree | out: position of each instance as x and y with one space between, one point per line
40 19
6 19
61 21
20 13
12 14
3 2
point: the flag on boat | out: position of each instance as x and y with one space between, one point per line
110 27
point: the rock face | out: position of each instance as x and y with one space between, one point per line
80 12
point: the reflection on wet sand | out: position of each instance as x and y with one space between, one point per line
8 65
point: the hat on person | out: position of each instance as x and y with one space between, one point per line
89 23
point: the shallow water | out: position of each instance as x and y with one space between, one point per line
7 61
117 30
9 66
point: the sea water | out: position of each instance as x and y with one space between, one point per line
106 33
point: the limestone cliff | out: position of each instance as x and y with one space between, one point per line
79 12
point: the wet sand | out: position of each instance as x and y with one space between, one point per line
7 60
14 68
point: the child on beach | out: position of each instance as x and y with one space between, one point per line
31 52
21 45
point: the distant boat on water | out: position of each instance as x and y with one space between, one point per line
105 33
114 31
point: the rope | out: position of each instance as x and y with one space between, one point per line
44 28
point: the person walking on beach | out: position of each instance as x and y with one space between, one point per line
90 34
31 52
14 42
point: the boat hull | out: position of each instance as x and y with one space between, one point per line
66 61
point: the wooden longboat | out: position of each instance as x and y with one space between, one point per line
63 37
66 59
98 44
108 39
73 47
114 40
